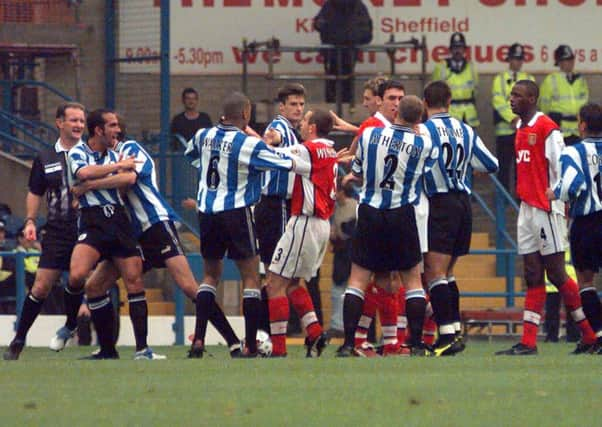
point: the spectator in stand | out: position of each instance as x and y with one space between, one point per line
346 24
185 124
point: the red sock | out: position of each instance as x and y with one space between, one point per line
534 302
368 313
570 294
305 310
279 313
387 308
402 320
429 329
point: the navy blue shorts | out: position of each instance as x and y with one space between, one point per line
586 242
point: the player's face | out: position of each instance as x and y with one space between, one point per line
71 127
190 101
390 103
292 109
371 101
304 126
111 129
567 65
515 64
520 101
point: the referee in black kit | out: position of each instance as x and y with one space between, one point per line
49 176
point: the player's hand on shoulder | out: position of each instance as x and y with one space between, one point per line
272 137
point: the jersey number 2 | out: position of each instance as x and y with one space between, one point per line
388 182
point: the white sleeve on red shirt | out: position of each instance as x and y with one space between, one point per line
300 155
554 146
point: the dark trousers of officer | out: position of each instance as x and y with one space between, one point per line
504 149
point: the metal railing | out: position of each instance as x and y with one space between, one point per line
273 48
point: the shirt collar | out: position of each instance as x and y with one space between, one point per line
402 128
531 123
228 127
58 147
440 116
383 119
324 141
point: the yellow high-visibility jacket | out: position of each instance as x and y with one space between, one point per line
500 100
561 100
464 87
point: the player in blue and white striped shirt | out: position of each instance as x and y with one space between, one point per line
448 187
230 168
391 163
153 221
273 210
580 184
104 228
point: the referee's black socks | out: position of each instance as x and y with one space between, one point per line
353 304
29 313
139 317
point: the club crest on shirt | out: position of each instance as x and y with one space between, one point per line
532 138
82 237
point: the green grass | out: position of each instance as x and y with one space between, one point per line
472 389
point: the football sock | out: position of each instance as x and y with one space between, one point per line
367 316
139 318
388 317
73 299
534 302
205 300
279 313
440 296
301 301
264 316
251 308
429 329
353 303
219 320
29 313
570 294
455 303
592 309
402 320
102 314
415 308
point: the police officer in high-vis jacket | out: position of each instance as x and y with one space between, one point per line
563 93
503 117
462 78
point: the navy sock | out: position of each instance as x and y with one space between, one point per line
139 318
29 313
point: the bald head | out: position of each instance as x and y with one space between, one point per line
410 110
236 107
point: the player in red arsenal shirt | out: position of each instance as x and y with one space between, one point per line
541 228
301 248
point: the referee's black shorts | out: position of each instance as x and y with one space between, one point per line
230 232
586 242
450 223
58 240
159 243
271 216
386 240
108 230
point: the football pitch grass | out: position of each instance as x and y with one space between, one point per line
472 389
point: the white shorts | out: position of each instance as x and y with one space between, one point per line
421 210
300 250
540 231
